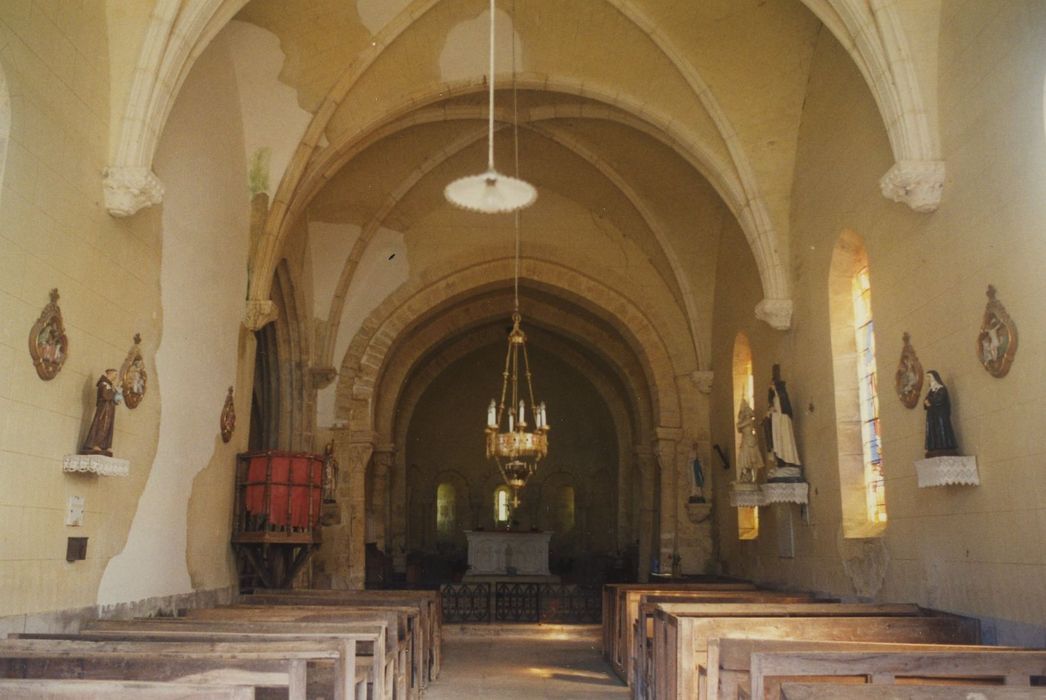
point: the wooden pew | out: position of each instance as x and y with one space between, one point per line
399 662
261 665
426 635
430 608
47 689
729 659
681 636
621 607
370 636
1009 667
824 691
643 628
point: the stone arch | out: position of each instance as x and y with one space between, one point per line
370 350
848 257
873 33
751 215
406 387
178 33
601 165
292 339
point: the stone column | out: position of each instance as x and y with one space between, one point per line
378 500
397 533
665 451
350 560
646 466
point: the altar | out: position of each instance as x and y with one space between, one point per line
505 553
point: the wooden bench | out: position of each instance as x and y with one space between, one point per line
985 665
681 636
47 689
729 659
643 628
370 637
401 662
429 604
621 606
260 665
423 607
824 691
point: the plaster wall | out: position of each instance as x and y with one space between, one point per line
203 278
54 232
972 550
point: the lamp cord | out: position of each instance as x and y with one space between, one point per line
490 118
515 143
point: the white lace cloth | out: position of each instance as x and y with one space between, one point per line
796 492
947 471
746 495
96 464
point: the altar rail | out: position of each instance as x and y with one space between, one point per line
505 601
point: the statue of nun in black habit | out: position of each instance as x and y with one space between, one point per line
940 438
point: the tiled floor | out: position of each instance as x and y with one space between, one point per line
524 662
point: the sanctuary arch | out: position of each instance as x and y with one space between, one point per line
422 341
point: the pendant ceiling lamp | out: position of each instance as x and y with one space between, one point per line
490 192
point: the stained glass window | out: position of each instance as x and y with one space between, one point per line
868 386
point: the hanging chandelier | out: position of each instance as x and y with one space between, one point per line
491 192
516 449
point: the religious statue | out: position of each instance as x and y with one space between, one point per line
99 440
940 438
749 460
784 463
697 491
330 473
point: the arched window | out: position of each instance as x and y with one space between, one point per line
502 512
858 431
446 510
744 388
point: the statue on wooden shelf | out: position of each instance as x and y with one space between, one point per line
749 459
99 440
940 438
784 463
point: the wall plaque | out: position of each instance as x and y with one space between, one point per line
133 378
227 422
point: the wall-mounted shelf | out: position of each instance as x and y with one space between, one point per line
96 464
959 470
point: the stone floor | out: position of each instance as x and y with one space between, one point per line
524 661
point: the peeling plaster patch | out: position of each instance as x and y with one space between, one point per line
271 116
329 246
375 14
382 269
466 56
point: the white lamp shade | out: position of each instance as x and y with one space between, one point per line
490 193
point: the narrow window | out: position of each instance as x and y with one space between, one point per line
744 388
501 505
565 509
868 387
858 430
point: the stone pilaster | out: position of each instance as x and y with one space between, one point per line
347 562
665 452
646 467
378 499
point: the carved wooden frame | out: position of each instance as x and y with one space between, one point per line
997 340
48 358
133 393
907 391
227 421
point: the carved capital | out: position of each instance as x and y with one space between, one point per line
917 183
129 189
259 313
321 377
702 379
776 312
